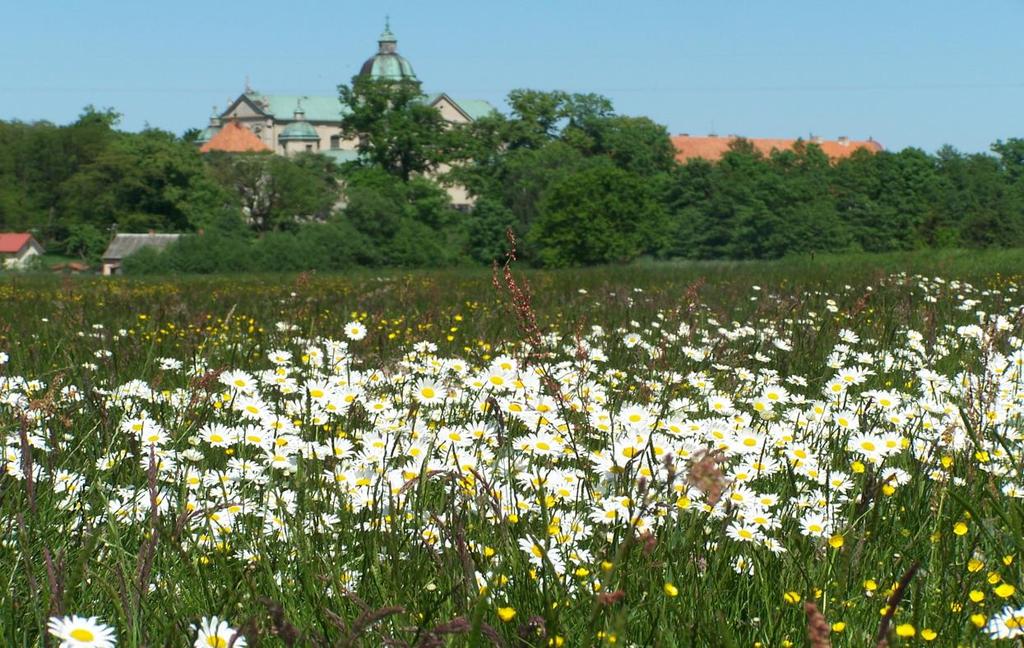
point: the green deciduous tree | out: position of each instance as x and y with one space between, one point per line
275 192
396 130
635 144
149 180
599 214
85 241
408 224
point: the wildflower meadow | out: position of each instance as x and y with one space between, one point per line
795 453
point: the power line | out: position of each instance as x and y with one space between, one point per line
640 89
793 88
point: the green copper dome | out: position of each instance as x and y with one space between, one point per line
388 64
300 130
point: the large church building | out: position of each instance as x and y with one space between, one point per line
292 124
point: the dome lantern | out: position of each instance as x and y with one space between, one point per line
387 43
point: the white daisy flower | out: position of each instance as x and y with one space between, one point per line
216 633
355 331
81 632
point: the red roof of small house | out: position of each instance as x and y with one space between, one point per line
234 138
13 243
713 147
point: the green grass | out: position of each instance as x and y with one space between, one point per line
425 554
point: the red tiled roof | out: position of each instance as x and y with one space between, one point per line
234 138
713 147
12 243
72 266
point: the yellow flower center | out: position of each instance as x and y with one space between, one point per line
81 634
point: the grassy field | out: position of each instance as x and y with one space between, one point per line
803 452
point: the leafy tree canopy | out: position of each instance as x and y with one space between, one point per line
396 130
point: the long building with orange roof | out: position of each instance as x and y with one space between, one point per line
713 147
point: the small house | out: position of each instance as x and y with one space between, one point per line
17 249
125 245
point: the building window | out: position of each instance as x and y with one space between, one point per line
309 147
335 141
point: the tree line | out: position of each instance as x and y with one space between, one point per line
578 183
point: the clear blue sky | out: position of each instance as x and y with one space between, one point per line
908 73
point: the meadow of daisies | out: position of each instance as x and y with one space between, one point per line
748 455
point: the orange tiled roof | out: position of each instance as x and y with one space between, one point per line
713 147
234 138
